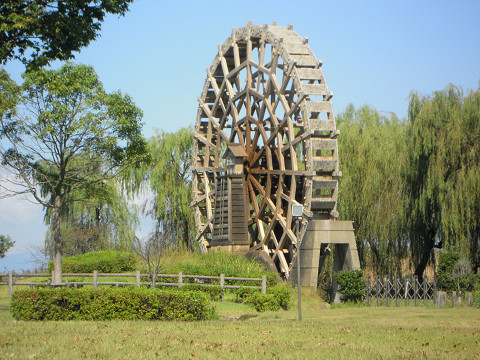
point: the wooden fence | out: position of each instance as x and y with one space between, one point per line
396 290
225 282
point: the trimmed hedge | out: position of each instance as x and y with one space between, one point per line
108 261
244 294
276 297
214 292
109 304
264 302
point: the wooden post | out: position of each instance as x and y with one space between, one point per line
264 284
441 298
53 277
95 279
387 291
415 289
405 286
10 283
469 299
377 285
397 290
454 298
425 289
137 279
369 284
180 279
222 285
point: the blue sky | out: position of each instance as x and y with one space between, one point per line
374 52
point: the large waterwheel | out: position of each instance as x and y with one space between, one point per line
264 139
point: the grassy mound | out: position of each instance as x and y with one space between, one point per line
108 261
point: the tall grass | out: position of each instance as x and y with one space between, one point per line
214 264
346 333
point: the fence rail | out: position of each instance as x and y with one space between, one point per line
223 281
396 290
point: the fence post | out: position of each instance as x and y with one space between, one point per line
407 290
425 289
264 284
397 290
180 279
377 285
454 298
137 278
469 299
387 294
415 289
369 283
95 279
222 285
10 283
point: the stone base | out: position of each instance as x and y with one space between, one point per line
320 234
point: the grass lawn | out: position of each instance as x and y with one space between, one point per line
241 333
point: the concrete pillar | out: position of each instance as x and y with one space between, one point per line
324 232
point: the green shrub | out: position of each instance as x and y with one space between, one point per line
243 294
278 297
455 273
352 285
215 292
264 302
476 299
102 261
446 262
110 303
282 295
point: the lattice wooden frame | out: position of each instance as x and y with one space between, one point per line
265 90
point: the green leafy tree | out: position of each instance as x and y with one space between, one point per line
352 285
371 191
168 177
38 31
6 243
105 220
66 138
170 182
443 146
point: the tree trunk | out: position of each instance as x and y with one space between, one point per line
57 241
424 259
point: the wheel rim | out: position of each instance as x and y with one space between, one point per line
265 90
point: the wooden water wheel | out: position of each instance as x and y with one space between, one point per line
266 103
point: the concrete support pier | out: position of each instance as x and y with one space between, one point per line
320 234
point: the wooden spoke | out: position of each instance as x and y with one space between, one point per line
265 140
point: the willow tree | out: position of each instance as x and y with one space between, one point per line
371 191
443 140
105 220
66 136
168 178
